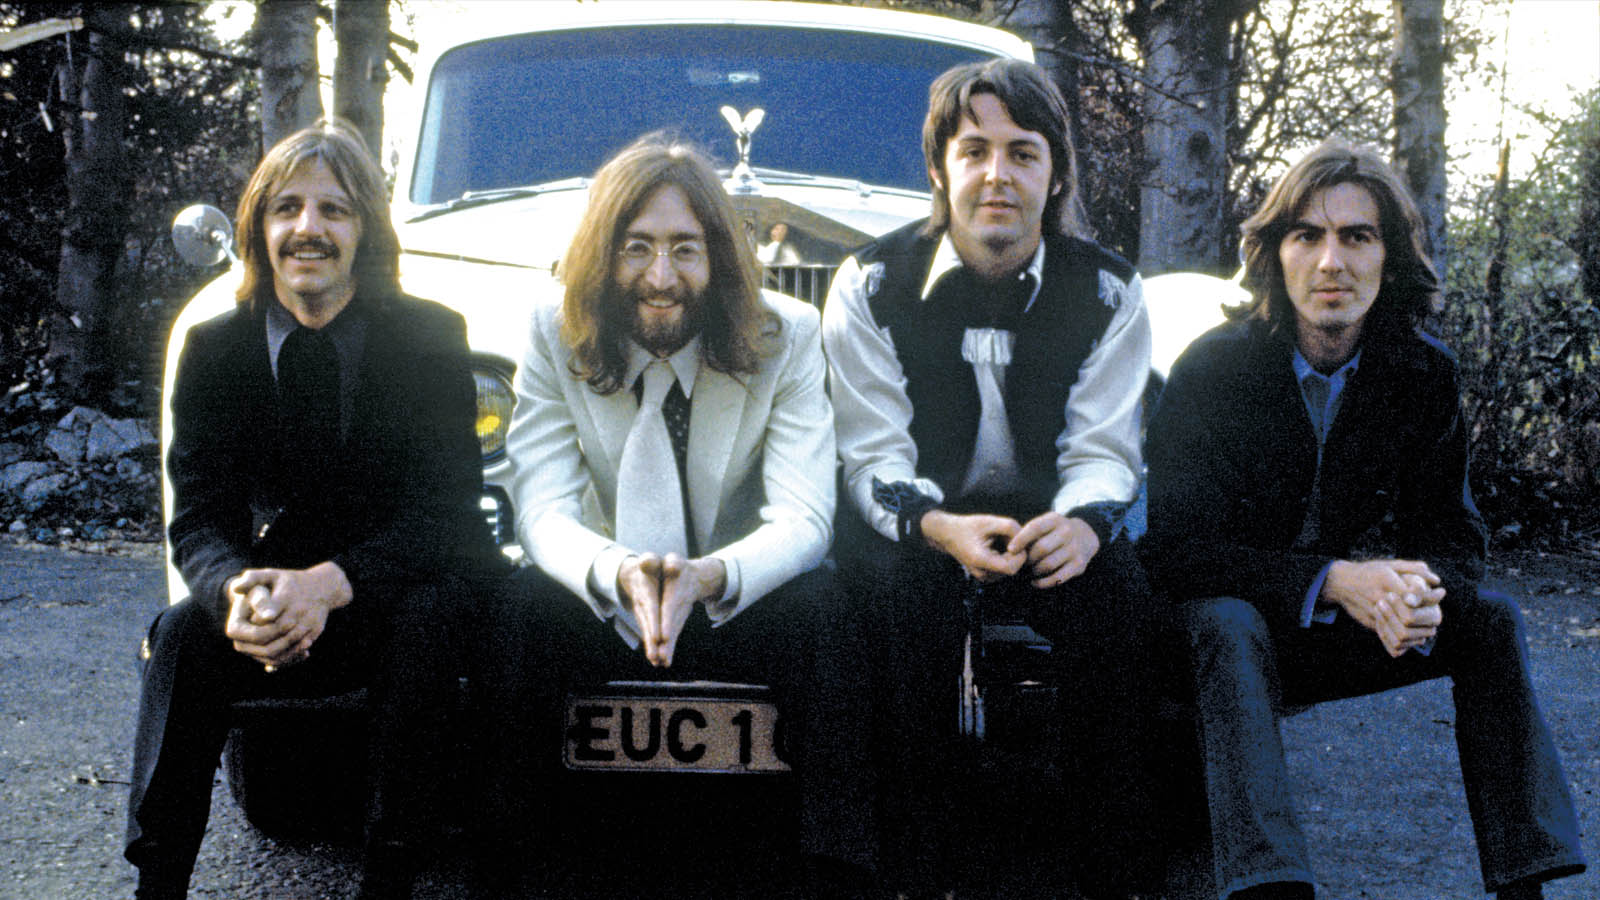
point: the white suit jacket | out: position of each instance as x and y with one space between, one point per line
760 461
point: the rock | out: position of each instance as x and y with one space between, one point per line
65 532
79 419
18 526
10 453
34 494
66 445
16 475
44 536
113 438
129 468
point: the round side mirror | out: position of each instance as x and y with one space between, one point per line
202 235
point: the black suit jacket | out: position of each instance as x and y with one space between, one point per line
1232 458
398 498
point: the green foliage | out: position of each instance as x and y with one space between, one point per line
1528 334
190 138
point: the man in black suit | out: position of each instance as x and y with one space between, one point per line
1309 501
325 477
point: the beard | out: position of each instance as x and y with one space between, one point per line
663 334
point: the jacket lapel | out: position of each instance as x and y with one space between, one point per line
612 416
715 413
1272 383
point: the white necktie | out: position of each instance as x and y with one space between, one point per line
994 465
649 498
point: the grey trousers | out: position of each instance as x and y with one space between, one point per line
1245 673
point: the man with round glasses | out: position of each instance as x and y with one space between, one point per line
674 482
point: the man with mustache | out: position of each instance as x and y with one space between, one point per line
1309 502
674 455
325 479
986 368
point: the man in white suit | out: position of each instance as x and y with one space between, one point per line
660 283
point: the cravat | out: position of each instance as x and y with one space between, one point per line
308 392
649 496
994 466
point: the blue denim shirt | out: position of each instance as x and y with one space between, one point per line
1321 394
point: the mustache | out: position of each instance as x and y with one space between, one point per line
313 244
678 293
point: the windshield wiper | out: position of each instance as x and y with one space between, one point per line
469 199
780 174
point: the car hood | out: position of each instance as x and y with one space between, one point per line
533 232
494 295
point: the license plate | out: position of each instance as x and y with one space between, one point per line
648 726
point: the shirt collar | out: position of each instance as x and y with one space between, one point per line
347 331
946 259
1304 369
685 363
280 324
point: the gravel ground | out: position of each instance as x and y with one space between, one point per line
1380 791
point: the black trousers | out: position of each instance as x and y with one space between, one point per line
1107 633
800 640
1245 672
399 641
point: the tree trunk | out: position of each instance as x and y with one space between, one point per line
1417 81
291 98
99 183
1184 43
361 30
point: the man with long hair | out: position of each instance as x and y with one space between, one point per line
1309 502
699 557
986 366
325 477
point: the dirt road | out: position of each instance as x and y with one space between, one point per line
1380 790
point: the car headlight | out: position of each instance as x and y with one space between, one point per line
494 412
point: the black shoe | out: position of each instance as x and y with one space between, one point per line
1526 889
1277 890
389 872
160 888
158 881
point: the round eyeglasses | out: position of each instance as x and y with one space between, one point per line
683 255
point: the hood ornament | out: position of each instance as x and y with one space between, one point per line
743 180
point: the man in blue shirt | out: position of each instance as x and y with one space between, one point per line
1309 500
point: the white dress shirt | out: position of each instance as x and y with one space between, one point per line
1098 456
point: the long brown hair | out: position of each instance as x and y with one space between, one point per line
1034 102
595 326
334 143
1410 285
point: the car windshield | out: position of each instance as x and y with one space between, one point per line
536 108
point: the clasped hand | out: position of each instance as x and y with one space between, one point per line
662 591
1398 599
1053 548
275 615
